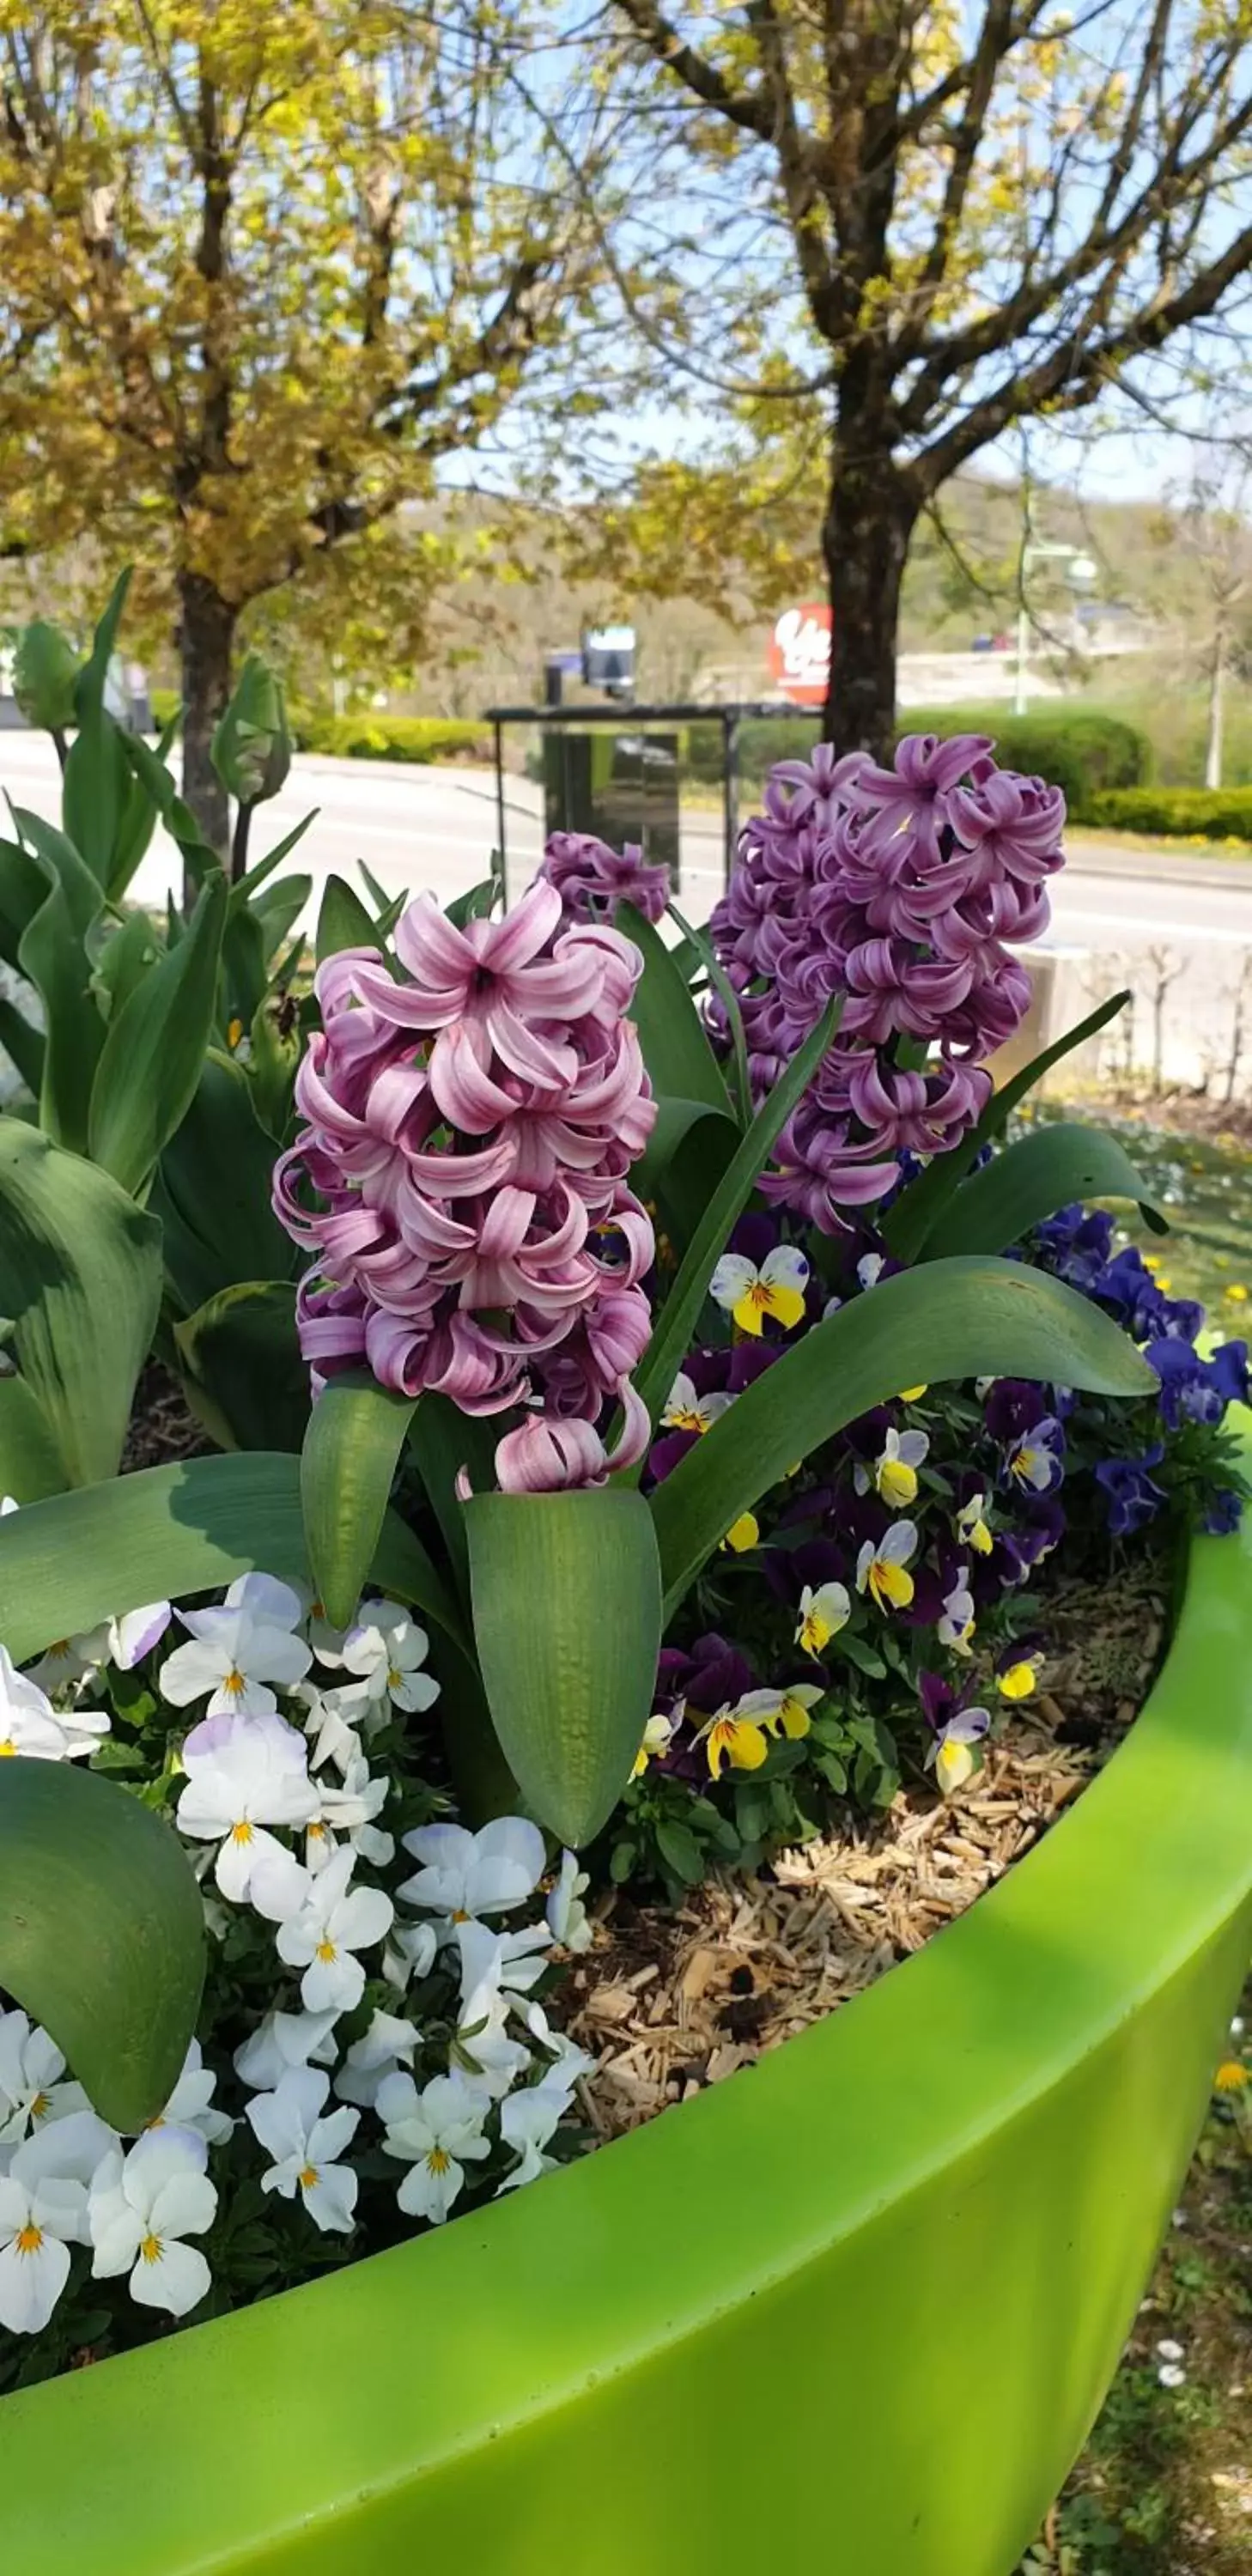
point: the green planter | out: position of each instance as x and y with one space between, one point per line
860 2304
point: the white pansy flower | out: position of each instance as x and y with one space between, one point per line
385 1652
411 1952
41 2216
328 1723
244 1774
527 2121
70 1660
262 1596
348 1814
956 1625
234 1654
464 1875
141 2207
306 2146
482 2038
882 1566
190 2105
869 1269
567 2065
514 1961
285 2039
749 1293
334 1922
687 1411
565 1910
31 2090
29 1725
822 1614
389 2044
657 1737
436 2132
135 1634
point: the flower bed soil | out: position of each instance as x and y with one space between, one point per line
670 2000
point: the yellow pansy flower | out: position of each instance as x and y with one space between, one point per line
822 1614
882 1569
750 1294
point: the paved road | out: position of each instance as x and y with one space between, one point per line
1117 917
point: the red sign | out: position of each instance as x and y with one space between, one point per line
798 655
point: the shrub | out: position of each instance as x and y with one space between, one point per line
375 735
1081 750
1182 813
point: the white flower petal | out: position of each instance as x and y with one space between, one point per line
31 2283
331 2200
176 2280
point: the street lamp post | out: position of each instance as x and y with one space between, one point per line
1080 571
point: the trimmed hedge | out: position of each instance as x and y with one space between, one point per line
379 736
1080 749
1178 813
370 736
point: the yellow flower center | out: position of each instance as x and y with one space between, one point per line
29 2238
8 1746
686 1419
242 1832
438 2160
394 1677
317 1832
459 1914
326 1950
39 2106
151 2248
1024 1464
61 1647
234 1682
308 2175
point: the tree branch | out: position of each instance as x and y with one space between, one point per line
745 108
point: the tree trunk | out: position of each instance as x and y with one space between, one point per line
870 515
206 633
1217 709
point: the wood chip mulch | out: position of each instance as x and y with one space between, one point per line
669 2001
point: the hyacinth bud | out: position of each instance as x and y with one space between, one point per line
251 749
45 668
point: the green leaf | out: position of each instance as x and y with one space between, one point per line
1029 1181
953 1320
52 953
728 997
242 1369
348 1462
675 1049
688 1149
442 1441
212 1192
96 783
246 888
148 1073
474 905
24 1044
567 1621
672 1332
169 1532
907 1225
138 819
101 1933
23 887
81 1267
30 1461
126 957
680 1851
152 774
278 908
343 921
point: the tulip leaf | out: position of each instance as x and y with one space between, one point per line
278 908
97 776
30 1461
241 1366
343 921
1030 1180
351 1451
149 1070
676 1323
958 1319
81 1267
212 1191
689 1148
676 1051
908 1224
52 952
169 1532
101 1932
139 815
567 1621
24 1044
